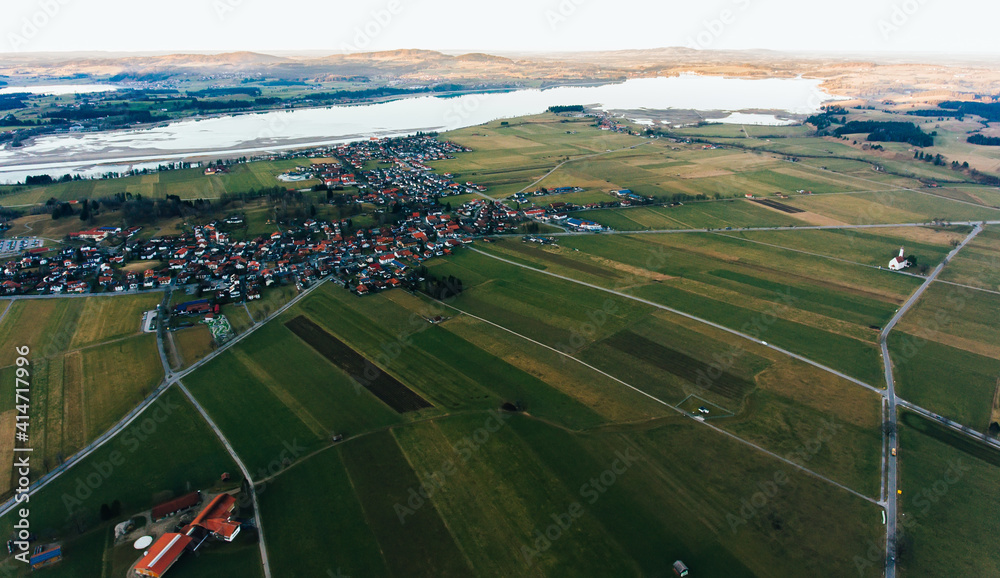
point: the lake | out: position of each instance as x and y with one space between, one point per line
84 153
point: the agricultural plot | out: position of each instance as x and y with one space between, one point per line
825 309
193 344
978 264
949 507
657 355
947 354
116 377
736 214
385 387
489 503
874 247
84 376
456 369
892 207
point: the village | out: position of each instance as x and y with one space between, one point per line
298 252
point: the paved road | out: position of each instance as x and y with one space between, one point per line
744 229
246 474
169 380
83 295
890 464
954 425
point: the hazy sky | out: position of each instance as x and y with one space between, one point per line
492 25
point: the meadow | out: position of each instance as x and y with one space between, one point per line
978 264
486 511
947 354
141 466
85 376
949 509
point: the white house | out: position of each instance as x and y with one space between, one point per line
899 263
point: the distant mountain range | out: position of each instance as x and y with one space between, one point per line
847 74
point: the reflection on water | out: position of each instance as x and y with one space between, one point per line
249 133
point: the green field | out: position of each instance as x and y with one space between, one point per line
949 505
141 466
978 264
623 338
736 214
485 514
892 207
874 247
827 307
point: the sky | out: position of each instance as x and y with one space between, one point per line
331 26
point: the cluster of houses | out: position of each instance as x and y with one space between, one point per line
300 252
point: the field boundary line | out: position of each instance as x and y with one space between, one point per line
673 407
584 157
956 285
820 255
169 380
243 468
693 318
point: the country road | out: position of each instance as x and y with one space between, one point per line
243 468
890 465
169 379
691 317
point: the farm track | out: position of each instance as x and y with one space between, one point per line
672 407
169 381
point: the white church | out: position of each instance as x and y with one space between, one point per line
899 263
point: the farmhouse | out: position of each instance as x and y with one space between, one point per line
176 505
163 554
215 521
899 263
583 225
